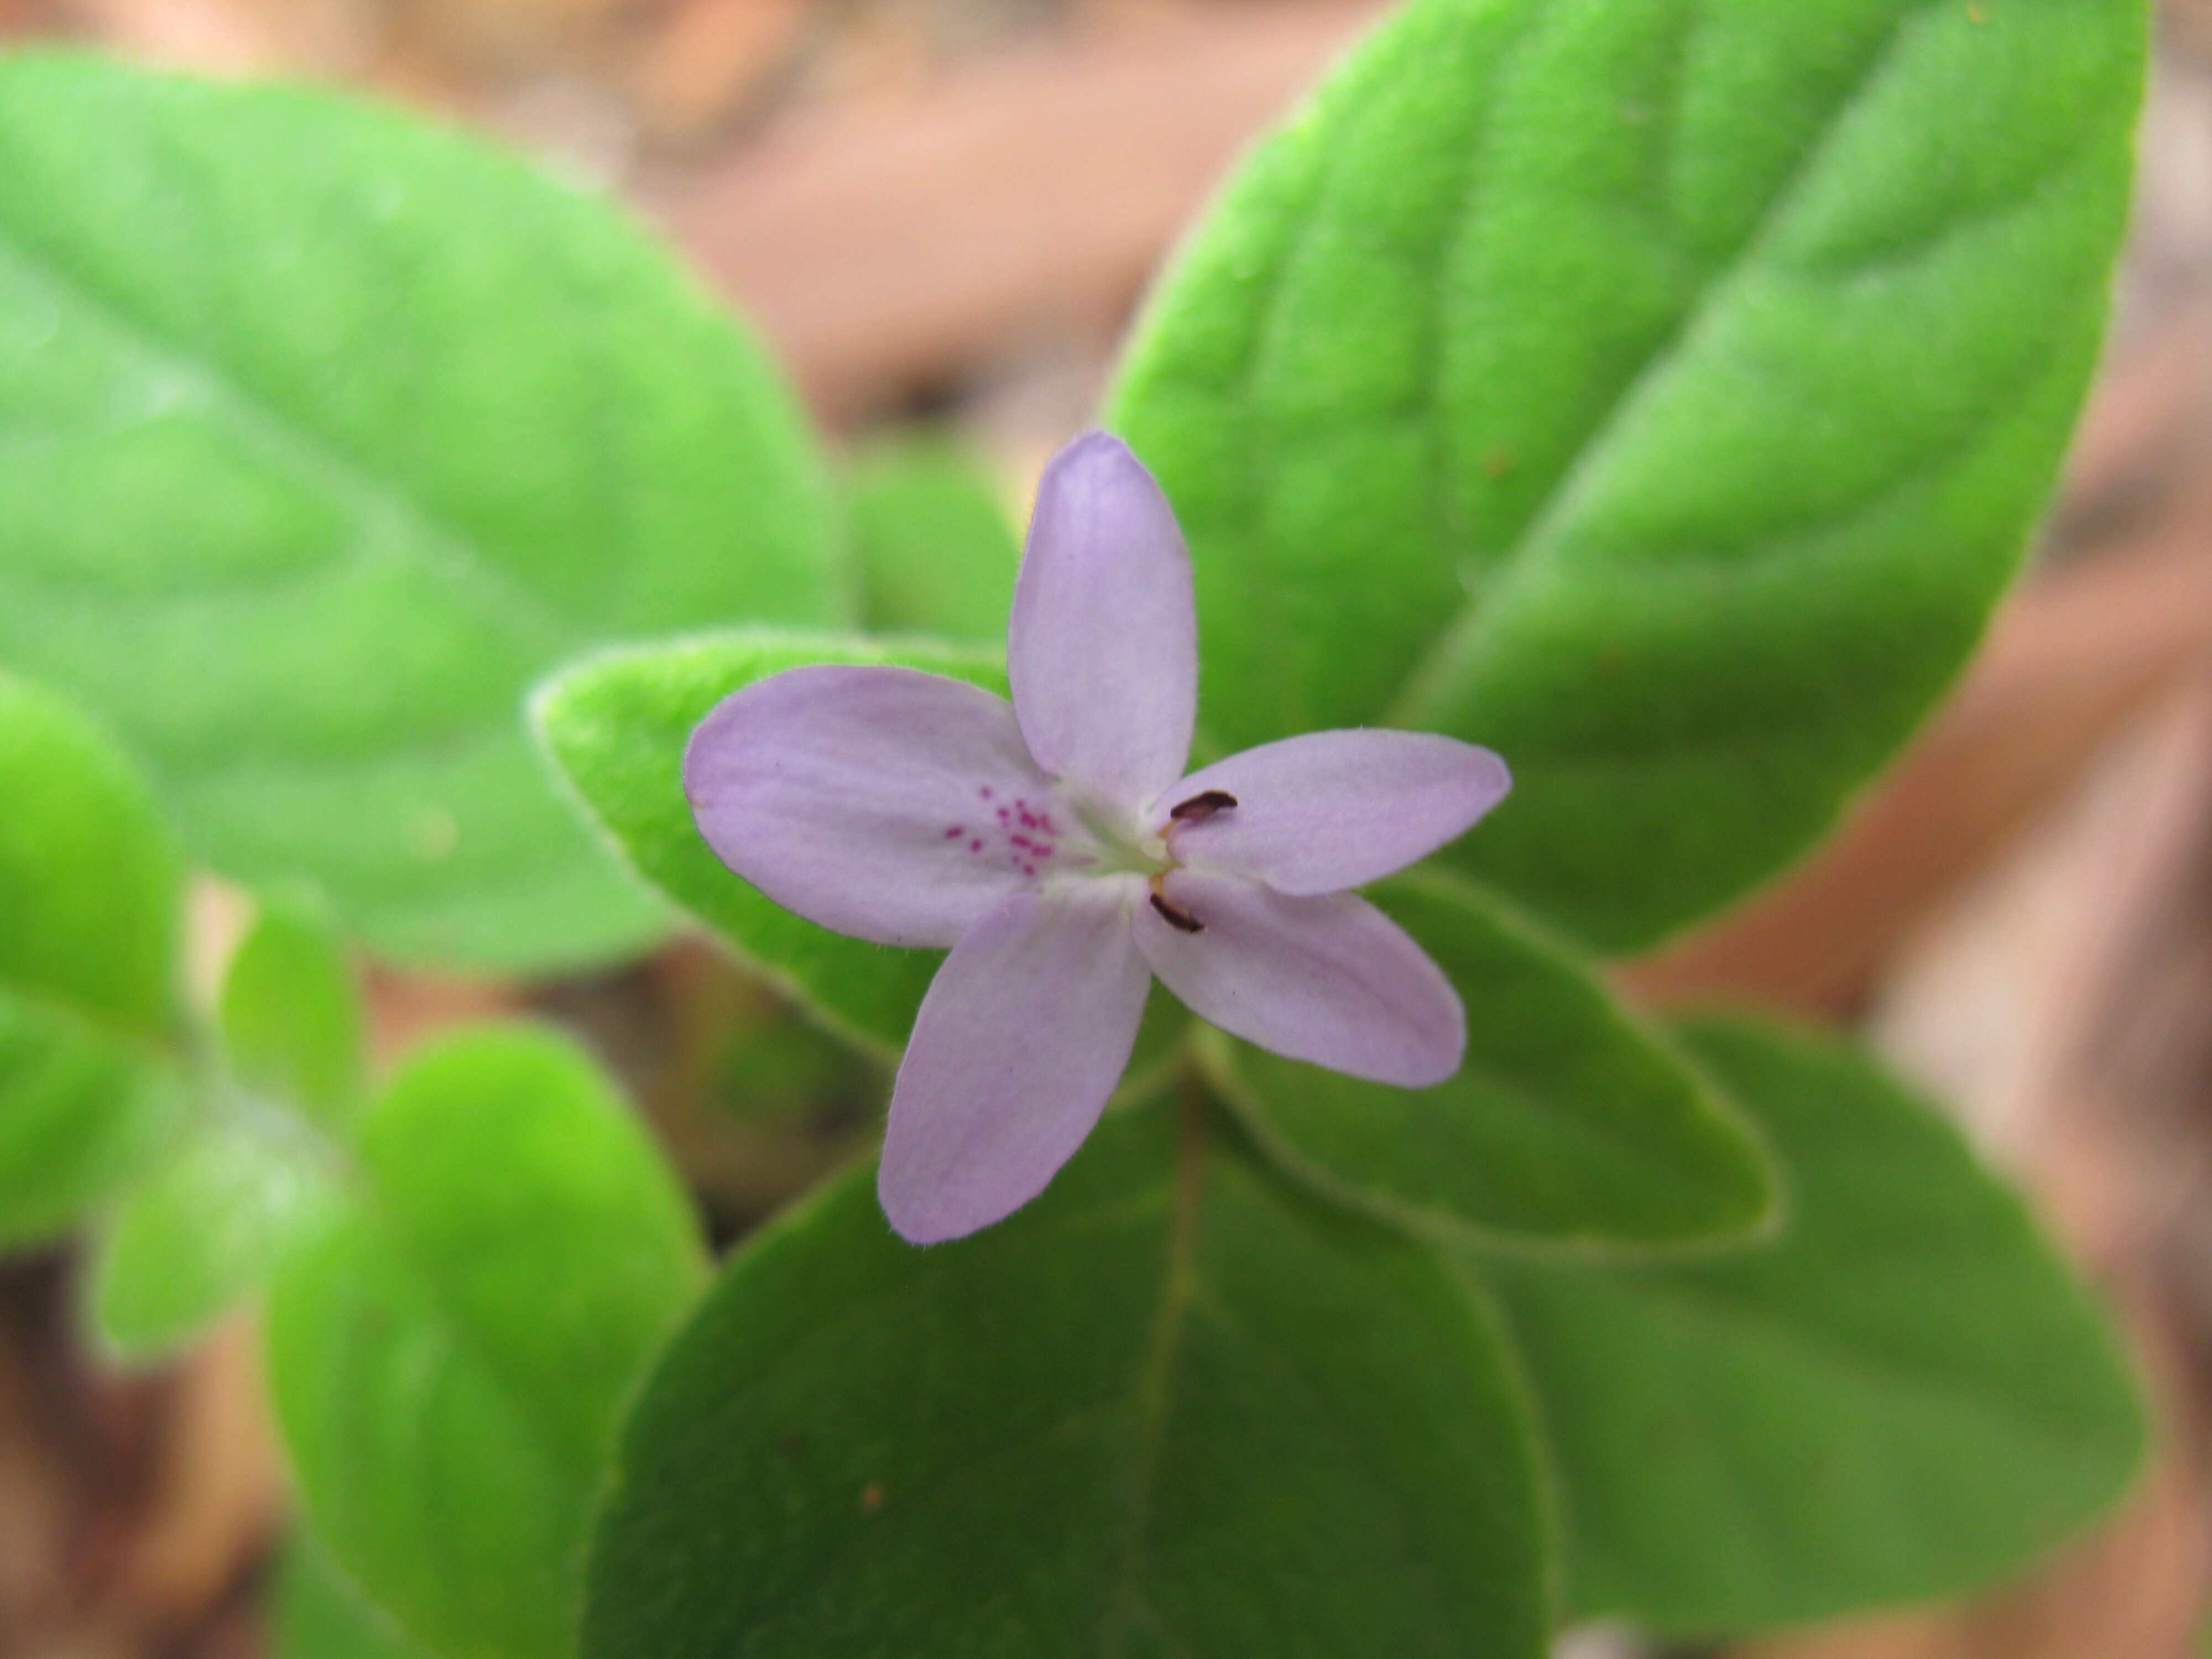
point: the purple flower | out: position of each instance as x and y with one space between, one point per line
1056 846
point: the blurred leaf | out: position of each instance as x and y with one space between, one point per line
327 432
90 894
257 1167
618 726
319 1616
1171 1407
1570 1122
935 552
291 1014
207 1228
1656 393
1907 1395
449 1357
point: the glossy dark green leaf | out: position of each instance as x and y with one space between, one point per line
1905 1396
324 433
1171 1407
931 542
1571 1122
1658 394
90 889
450 1356
617 725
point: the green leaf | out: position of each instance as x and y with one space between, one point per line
1171 1407
90 888
450 1357
207 1227
617 725
1656 393
255 1171
324 433
1571 1121
1906 1395
935 552
319 1614
291 1014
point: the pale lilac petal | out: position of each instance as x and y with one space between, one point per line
1026 1028
1329 979
1103 648
1332 810
866 799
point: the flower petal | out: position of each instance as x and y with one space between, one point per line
1026 1028
837 792
1332 810
1328 979
1103 648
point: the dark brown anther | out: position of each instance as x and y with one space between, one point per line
1199 808
1176 917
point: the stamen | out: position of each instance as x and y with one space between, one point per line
1199 808
1175 917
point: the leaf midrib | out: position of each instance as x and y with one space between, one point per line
1461 638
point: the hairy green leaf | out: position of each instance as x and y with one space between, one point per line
1905 1396
1570 1122
1169 1408
324 432
618 724
1656 393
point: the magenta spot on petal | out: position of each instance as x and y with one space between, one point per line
985 792
975 846
954 833
1028 869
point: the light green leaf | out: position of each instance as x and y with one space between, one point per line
617 725
1171 1407
1656 393
1906 1395
255 1171
1571 1122
291 1014
324 432
319 1614
935 552
450 1357
208 1226
90 888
